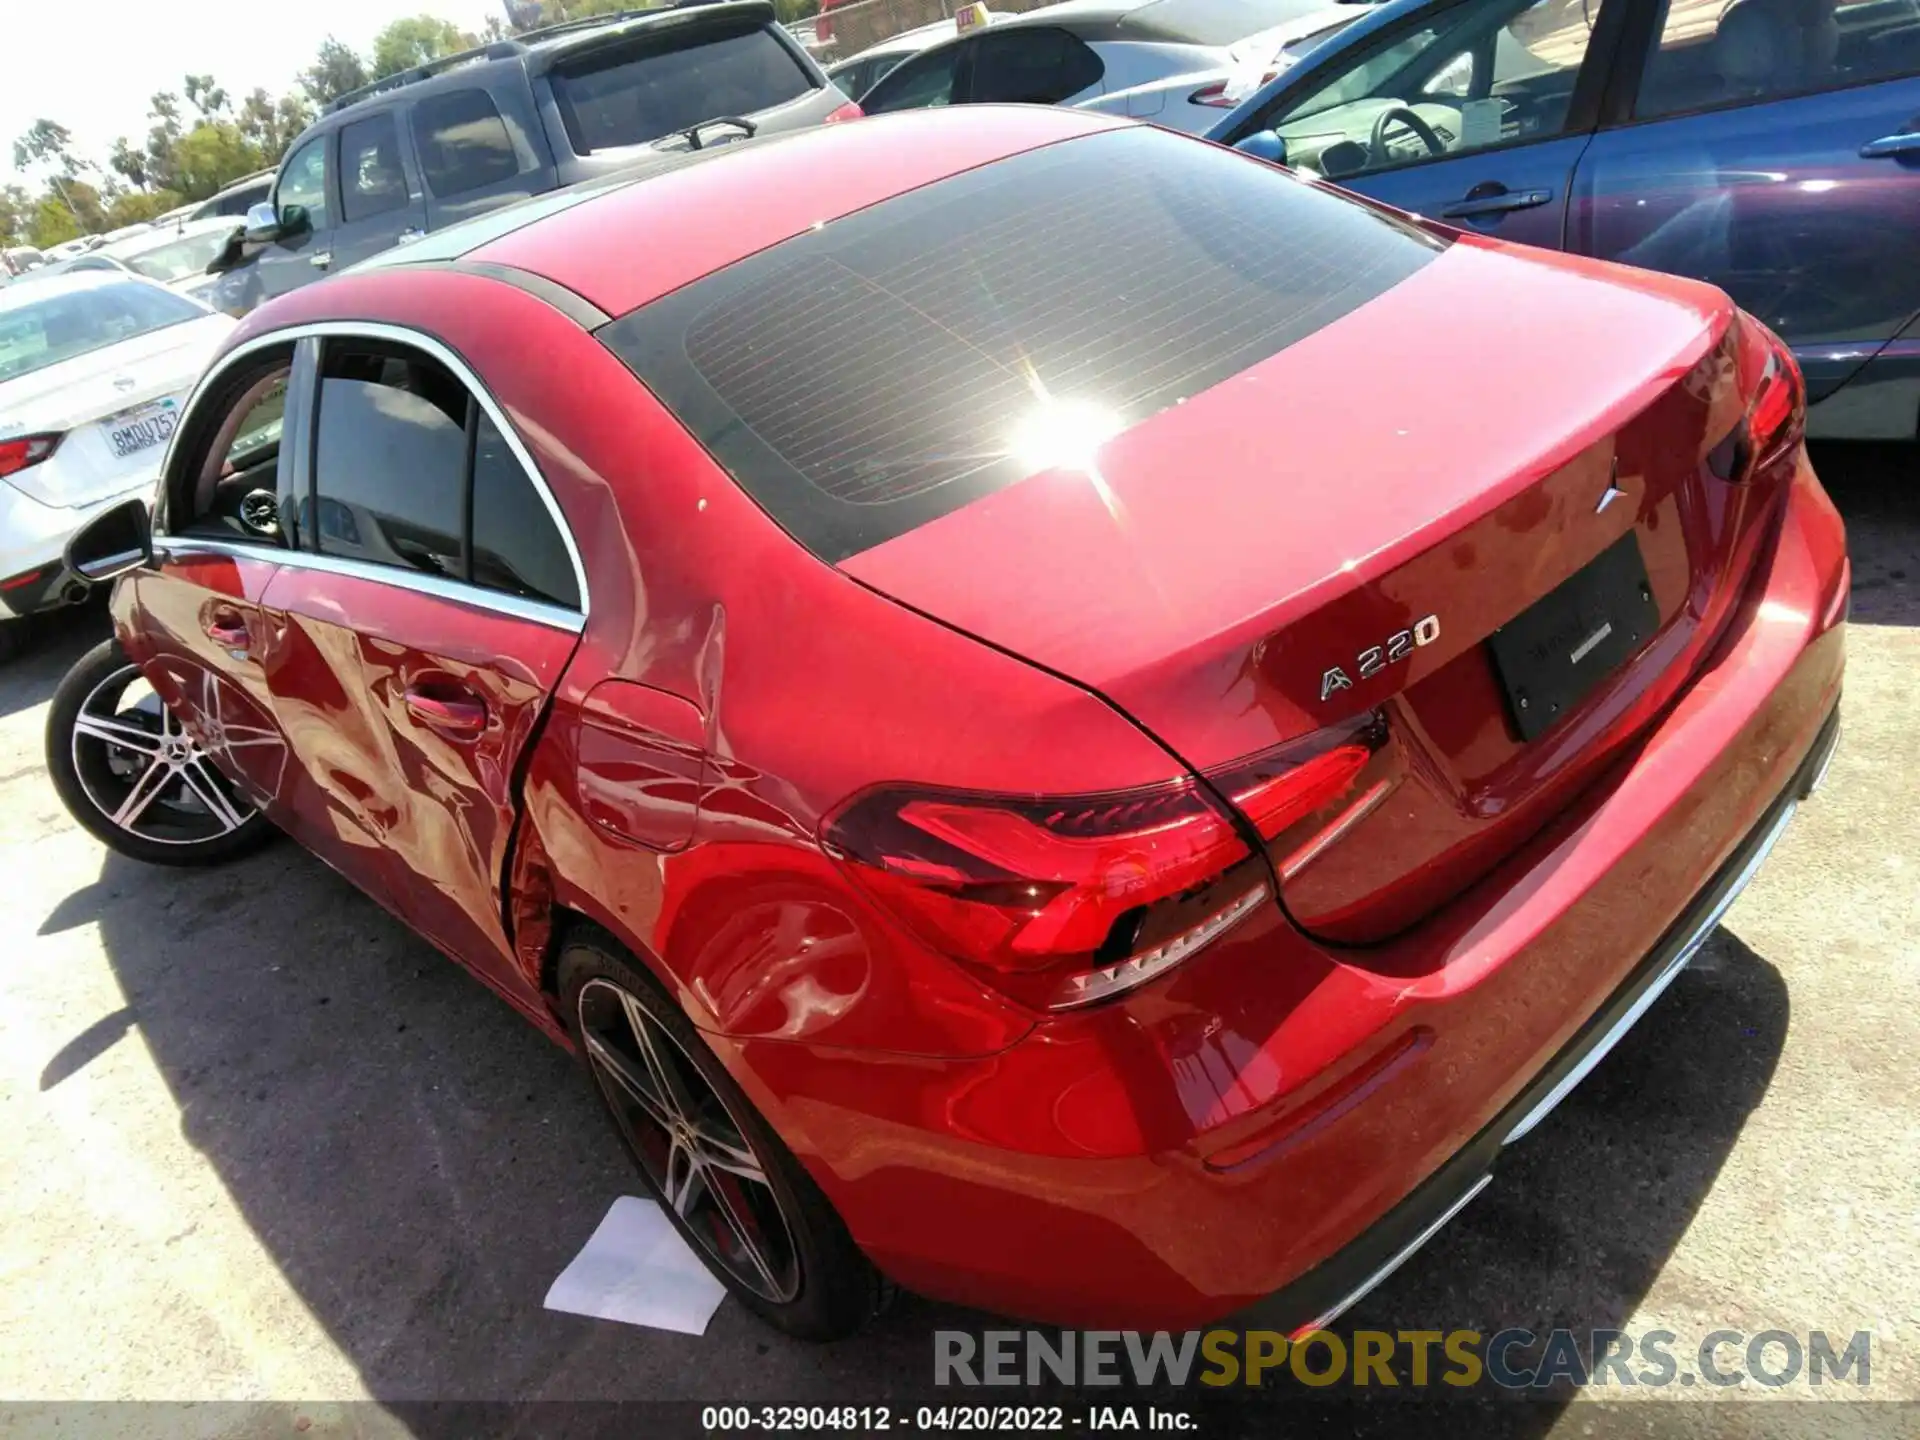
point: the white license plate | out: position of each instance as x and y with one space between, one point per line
132 431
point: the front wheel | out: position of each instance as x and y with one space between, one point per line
131 775
731 1188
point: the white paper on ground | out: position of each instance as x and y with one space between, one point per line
636 1268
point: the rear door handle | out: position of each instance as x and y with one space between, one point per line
456 713
409 235
321 259
1907 142
229 631
1497 204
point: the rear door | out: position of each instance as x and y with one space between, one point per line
1475 113
1773 150
427 623
381 200
218 545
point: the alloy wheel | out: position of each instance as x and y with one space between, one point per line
141 770
689 1141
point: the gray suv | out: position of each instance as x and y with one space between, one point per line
439 144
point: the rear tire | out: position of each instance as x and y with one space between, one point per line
132 777
745 1204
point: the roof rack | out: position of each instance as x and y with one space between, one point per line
495 50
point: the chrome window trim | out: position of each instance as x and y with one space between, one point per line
419 340
556 617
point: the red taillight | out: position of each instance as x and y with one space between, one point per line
1776 418
24 450
848 111
1216 93
1065 901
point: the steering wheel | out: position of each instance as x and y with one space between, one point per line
1377 147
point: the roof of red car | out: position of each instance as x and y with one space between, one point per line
633 243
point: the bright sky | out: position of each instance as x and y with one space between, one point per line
91 65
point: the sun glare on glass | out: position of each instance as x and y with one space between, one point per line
1062 434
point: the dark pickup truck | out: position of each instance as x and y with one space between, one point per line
470 132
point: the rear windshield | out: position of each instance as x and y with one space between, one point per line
45 332
634 93
867 377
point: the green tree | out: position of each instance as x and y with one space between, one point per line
66 207
205 96
47 143
414 40
336 69
209 156
129 164
272 125
16 214
130 207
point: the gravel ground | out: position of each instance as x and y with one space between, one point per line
261 1146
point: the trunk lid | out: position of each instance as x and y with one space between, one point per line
1375 502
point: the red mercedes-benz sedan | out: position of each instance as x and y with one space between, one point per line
1058 715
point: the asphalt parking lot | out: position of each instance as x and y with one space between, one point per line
262 1145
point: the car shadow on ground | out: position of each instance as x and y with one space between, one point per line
421 1164
1877 490
57 639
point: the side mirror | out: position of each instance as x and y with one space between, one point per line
112 543
263 225
294 221
1263 145
231 253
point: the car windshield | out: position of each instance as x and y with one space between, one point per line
633 95
179 259
42 332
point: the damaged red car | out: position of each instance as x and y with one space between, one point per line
1059 716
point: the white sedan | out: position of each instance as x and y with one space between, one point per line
94 368
176 255
1178 63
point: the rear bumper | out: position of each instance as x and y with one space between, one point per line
1277 1122
1342 1280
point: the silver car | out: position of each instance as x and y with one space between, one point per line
1178 63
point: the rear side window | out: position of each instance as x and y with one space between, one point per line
463 142
1037 65
922 83
516 548
637 92
390 462
867 377
372 181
